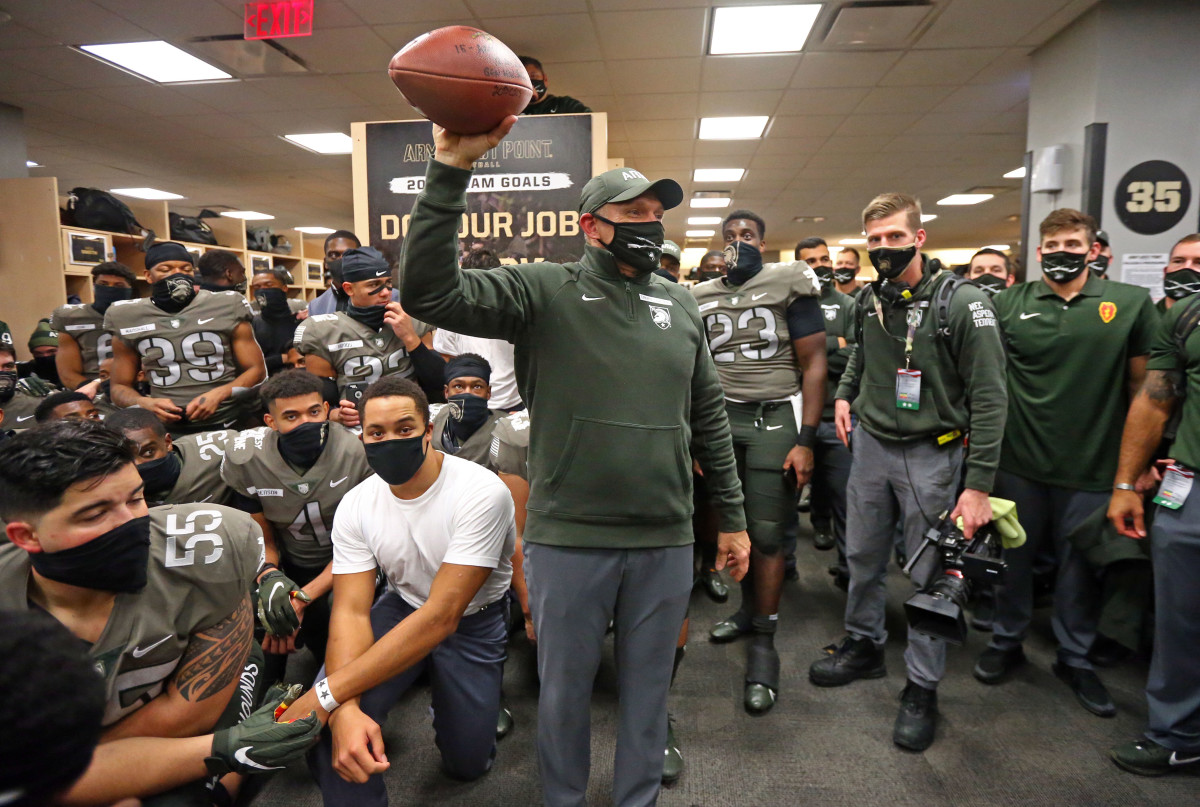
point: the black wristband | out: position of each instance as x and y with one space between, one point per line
266 567
807 437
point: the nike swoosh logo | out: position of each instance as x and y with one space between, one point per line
1027 316
333 484
23 419
138 652
241 756
1176 760
754 297
773 428
590 299
278 585
206 498
227 425
205 321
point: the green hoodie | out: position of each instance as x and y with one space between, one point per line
615 371
962 376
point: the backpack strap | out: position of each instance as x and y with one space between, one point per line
1184 326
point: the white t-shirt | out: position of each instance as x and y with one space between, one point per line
466 517
498 353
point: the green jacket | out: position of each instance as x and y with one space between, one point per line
616 373
838 309
962 383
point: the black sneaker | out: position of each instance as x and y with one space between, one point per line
917 721
1089 689
850 660
1107 653
710 580
823 538
1147 758
841 578
995 665
734 627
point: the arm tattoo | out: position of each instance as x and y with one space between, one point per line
1162 386
215 657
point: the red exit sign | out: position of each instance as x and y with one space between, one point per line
276 20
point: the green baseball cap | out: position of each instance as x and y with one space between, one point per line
672 249
623 184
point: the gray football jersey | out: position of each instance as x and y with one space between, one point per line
200 478
85 325
203 559
187 353
360 355
478 445
747 330
299 507
509 452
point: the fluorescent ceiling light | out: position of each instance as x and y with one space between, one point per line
700 233
1016 173
1001 247
691 254
965 199
852 242
247 215
158 61
717 174
928 217
314 230
747 127
323 142
720 201
761 29
702 220
32 164
146 193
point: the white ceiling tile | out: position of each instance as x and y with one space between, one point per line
380 12
661 32
856 144
556 38
874 124
805 125
822 100
983 99
889 100
673 129
342 50
932 67
486 9
1014 67
662 148
734 149
69 67
734 73
963 24
843 69
658 107
780 147
634 76
750 102
77 22
397 35
580 78
164 20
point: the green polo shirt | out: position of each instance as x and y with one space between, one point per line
1161 307
1068 374
1164 355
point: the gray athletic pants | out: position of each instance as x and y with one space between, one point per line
574 594
1049 513
465 673
1173 687
890 480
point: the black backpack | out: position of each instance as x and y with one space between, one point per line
99 210
192 229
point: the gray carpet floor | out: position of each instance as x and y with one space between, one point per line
1026 742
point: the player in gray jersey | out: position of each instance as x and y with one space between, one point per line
463 427
766 333
197 347
82 341
290 476
160 598
176 470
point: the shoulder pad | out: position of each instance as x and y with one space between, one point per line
323 318
127 302
206 543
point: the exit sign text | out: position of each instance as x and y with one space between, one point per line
276 20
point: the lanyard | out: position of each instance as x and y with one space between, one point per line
913 319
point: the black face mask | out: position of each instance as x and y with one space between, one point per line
1063 267
160 475
637 245
115 561
1181 283
890 262
46 368
302 446
844 275
825 275
173 293
743 260
273 303
467 413
991 284
1099 267
539 89
107 295
665 275
8 385
371 315
396 461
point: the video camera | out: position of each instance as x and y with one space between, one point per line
938 610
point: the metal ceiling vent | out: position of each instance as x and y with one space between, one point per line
870 24
246 58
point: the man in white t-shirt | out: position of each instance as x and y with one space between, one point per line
441 530
499 354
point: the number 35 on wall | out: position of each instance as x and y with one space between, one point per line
1152 197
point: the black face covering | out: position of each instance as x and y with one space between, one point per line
637 245
371 315
665 275
890 262
467 413
744 262
46 368
160 475
8 385
1099 267
1063 267
991 284
273 303
173 293
302 446
843 275
539 89
1181 283
107 295
825 275
396 461
115 561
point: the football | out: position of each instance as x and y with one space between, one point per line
461 78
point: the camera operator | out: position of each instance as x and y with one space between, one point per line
916 392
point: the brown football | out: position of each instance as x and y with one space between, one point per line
461 78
